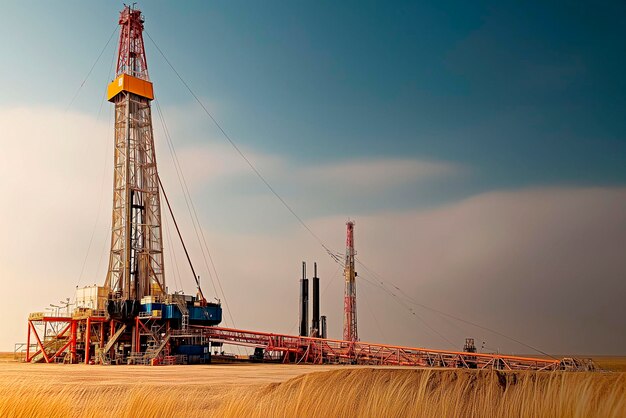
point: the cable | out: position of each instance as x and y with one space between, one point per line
413 301
242 155
330 281
367 305
176 273
413 313
195 276
91 69
183 185
197 220
194 215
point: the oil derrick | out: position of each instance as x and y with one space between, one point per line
131 319
136 257
349 303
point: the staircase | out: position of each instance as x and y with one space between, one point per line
50 346
154 350
109 345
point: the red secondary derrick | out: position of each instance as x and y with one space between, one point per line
131 58
350 332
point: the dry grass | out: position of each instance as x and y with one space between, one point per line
51 390
611 363
435 393
26 399
281 391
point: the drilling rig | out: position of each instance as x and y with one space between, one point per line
132 318
136 257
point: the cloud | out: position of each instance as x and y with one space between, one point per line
56 183
375 174
208 159
544 265
210 163
54 178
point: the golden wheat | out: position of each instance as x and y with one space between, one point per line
612 363
435 393
82 391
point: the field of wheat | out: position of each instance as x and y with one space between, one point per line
611 363
436 393
283 391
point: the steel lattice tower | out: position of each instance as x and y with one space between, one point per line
136 258
349 301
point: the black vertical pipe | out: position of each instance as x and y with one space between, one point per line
323 327
304 303
315 321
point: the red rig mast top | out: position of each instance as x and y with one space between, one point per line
131 58
349 302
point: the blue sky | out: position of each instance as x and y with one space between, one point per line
421 120
524 93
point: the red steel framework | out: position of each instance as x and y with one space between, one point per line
86 338
60 338
297 349
131 58
349 300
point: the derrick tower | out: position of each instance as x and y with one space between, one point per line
136 257
349 301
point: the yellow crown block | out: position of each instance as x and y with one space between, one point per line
128 83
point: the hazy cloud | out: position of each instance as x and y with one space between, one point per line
210 162
372 174
544 265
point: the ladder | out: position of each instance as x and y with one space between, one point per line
154 350
182 307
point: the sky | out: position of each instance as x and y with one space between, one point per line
479 147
